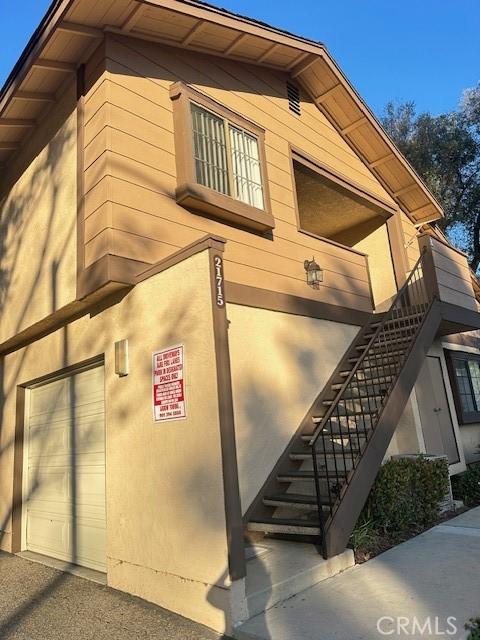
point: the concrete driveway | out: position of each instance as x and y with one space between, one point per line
40 603
427 587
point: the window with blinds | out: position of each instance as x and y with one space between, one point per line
464 370
227 158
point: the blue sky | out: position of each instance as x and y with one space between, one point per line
422 50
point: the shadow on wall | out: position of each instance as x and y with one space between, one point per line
34 213
280 363
281 367
36 196
19 281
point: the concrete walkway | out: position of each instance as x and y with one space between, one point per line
39 603
409 592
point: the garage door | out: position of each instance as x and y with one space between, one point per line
64 499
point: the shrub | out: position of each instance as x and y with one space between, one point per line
365 535
466 485
474 627
404 499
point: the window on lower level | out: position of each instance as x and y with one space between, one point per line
464 370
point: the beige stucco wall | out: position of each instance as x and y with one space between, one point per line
166 532
38 222
280 362
407 437
377 247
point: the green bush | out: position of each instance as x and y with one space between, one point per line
403 501
474 627
466 485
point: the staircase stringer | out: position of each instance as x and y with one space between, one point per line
340 525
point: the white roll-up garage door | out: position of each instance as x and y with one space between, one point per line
64 480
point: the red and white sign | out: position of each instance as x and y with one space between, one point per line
168 384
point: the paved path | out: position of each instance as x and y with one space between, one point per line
430 577
39 603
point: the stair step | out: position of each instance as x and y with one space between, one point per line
328 403
363 393
295 500
350 416
377 381
408 317
307 454
386 345
293 476
384 359
374 379
344 433
285 525
404 331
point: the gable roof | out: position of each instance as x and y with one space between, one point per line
71 29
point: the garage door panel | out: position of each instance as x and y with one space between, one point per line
66 417
87 439
58 486
91 543
91 489
66 469
48 534
50 398
46 442
55 536
89 387
48 484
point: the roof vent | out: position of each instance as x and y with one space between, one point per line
293 93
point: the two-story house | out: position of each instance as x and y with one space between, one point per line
224 302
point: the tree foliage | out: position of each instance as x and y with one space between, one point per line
445 151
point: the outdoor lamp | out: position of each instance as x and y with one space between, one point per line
314 273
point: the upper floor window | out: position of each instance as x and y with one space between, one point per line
227 158
220 159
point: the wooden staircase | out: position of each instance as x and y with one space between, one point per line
320 484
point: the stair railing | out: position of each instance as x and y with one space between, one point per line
348 423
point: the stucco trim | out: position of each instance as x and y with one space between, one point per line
231 485
17 497
111 294
205 242
248 296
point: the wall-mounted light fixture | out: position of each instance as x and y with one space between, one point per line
314 273
121 358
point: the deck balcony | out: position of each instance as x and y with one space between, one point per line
449 278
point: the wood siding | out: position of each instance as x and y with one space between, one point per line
452 273
38 210
130 173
